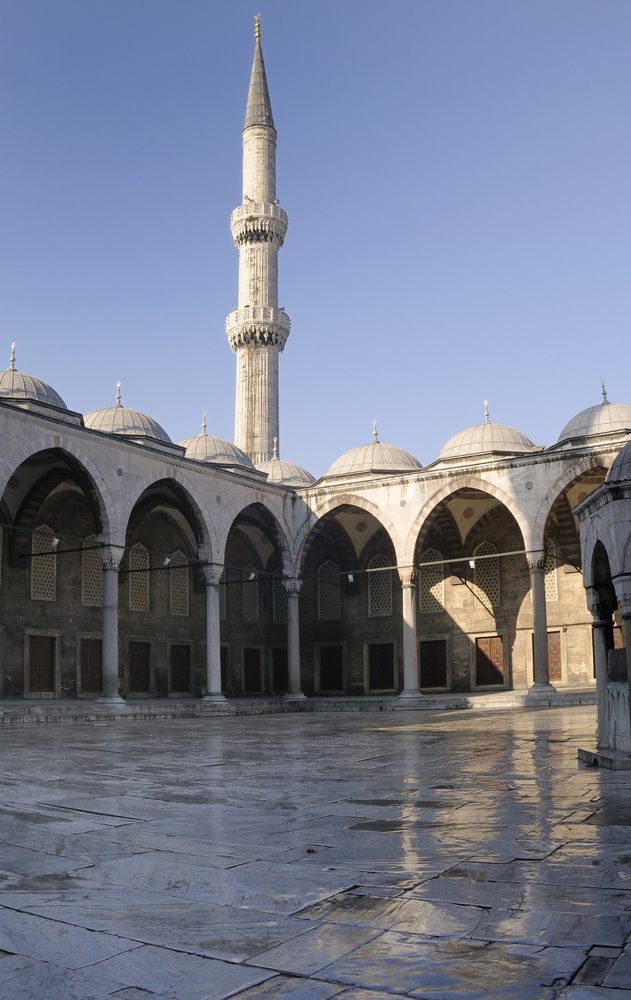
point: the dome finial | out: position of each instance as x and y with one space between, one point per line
204 422
375 435
275 453
12 359
257 26
604 391
118 394
487 418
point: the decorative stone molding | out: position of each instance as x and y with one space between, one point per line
266 326
258 223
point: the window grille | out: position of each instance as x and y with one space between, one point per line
279 600
550 569
91 575
223 603
178 583
380 588
138 581
43 568
431 590
329 592
487 576
250 594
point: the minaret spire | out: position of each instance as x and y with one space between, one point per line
257 329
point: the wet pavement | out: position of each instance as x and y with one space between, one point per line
434 855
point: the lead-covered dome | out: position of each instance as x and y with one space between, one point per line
18 385
285 473
205 448
374 457
119 419
621 467
604 418
487 438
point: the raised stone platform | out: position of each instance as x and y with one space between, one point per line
85 710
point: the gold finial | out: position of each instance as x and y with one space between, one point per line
257 26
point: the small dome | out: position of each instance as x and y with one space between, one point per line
285 473
374 457
204 448
604 418
487 438
17 385
621 468
118 419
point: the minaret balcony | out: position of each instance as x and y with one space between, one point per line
262 325
258 222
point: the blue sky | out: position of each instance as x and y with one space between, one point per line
456 174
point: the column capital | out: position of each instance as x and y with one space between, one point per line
293 586
407 576
111 556
622 585
600 605
212 574
536 560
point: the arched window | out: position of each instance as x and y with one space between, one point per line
487 576
223 603
43 568
279 600
329 592
178 580
379 587
138 578
431 588
250 594
91 574
550 568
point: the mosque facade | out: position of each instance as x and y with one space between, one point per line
134 567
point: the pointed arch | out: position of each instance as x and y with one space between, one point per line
308 529
275 524
554 492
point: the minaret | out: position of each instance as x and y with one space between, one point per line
257 329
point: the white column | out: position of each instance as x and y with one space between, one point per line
293 640
623 594
536 565
410 640
212 575
109 645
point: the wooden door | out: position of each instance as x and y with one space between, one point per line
434 663
41 663
331 668
381 666
90 665
252 670
489 660
280 669
180 664
139 658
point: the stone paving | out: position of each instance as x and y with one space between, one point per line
431 855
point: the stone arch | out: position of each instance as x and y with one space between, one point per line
332 503
466 482
281 534
107 509
548 502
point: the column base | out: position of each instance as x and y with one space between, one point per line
114 700
410 693
294 696
217 697
542 686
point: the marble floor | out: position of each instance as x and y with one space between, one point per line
359 856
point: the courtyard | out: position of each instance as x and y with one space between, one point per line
360 856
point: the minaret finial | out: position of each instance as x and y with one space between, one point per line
275 444
204 422
12 359
257 26
118 394
604 391
375 435
487 419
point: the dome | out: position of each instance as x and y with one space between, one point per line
604 418
17 385
285 473
118 419
621 468
374 457
204 448
487 438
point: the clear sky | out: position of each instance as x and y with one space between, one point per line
456 174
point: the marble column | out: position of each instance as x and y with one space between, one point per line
410 639
212 575
602 630
109 658
623 594
536 565
292 587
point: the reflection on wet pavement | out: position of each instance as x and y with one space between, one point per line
297 857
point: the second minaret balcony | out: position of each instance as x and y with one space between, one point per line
261 325
258 222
